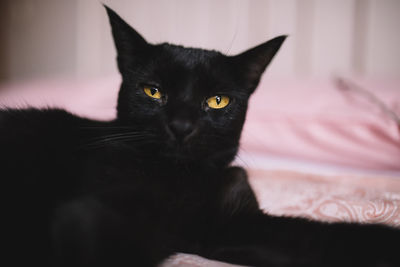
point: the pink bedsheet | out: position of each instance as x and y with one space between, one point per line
332 198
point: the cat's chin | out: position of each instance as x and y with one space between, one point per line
178 153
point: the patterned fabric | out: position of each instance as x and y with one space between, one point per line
330 198
187 260
356 198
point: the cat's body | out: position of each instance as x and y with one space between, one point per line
157 180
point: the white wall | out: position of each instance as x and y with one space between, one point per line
38 38
327 37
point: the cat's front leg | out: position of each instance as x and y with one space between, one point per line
233 236
262 240
236 195
233 239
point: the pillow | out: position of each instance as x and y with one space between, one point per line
325 122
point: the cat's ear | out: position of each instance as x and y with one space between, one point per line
128 42
252 63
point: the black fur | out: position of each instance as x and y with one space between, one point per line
157 180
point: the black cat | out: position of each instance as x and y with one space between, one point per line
157 180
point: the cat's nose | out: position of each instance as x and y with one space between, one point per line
181 128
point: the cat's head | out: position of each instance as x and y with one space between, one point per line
190 102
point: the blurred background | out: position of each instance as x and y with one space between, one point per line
59 53
71 39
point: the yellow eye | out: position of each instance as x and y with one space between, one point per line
152 92
218 101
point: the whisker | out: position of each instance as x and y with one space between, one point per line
107 127
118 135
117 138
102 141
100 144
240 158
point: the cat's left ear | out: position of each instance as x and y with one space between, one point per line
252 63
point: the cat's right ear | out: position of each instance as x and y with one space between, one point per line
128 42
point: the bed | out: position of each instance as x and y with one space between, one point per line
325 149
